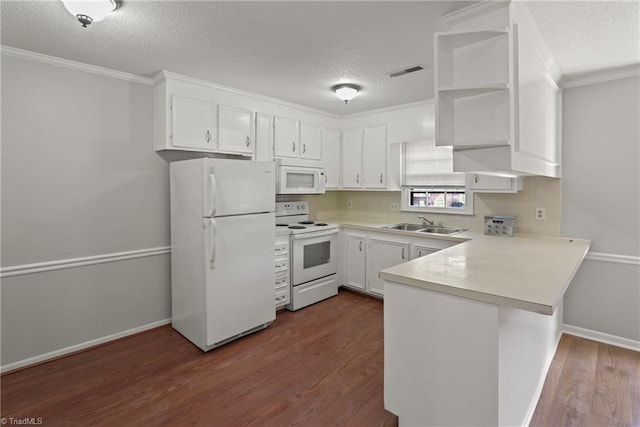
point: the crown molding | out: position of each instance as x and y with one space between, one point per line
601 76
73 65
388 109
164 75
474 11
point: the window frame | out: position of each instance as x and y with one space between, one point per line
405 206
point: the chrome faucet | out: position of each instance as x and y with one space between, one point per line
425 221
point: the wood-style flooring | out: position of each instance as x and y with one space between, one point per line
320 366
590 384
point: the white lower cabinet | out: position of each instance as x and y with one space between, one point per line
282 288
368 252
383 254
356 265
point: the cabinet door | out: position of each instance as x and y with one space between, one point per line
192 124
356 261
374 157
352 158
286 137
235 129
331 157
420 251
494 184
310 142
264 137
383 254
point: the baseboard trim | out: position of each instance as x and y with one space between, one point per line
41 267
602 337
36 360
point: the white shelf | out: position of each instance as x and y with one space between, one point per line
465 92
460 145
456 39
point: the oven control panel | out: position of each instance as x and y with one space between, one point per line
499 225
292 208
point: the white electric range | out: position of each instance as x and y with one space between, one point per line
313 254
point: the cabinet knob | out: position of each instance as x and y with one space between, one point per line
248 141
402 253
293 145
360 246
207 137
475 178
357 178
381 179
304 148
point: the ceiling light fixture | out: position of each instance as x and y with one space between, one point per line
88 11
346 91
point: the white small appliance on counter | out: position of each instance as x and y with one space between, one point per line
499 225
313 252
222 275
300 177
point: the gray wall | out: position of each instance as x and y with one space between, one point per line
79 178
601 201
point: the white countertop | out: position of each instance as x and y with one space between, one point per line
525 272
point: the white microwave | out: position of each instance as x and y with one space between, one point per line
299 177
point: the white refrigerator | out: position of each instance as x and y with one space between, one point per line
222 243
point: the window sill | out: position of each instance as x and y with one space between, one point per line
438 211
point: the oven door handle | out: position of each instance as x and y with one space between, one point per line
311 234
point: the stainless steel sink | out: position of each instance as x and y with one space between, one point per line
440 230
405 226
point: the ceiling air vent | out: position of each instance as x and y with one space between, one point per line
404 71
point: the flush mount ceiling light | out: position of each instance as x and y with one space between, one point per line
346 91
88 11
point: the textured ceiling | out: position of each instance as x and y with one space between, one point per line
587 36
297 50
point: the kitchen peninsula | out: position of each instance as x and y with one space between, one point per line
470 331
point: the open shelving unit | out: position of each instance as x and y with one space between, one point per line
473 98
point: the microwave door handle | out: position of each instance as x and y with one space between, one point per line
212 243
213 195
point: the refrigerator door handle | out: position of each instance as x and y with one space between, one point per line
212 243
213 194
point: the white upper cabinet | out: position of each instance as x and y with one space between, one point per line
496 95
264 137
310 142
235 129
374 157
188 116
286 138
494 184
331 158
192 124
352 158
364 158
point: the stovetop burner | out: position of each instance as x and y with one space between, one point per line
282 225
306 222
321 224
297 227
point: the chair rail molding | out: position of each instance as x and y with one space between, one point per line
42 267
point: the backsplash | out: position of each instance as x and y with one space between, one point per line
376 206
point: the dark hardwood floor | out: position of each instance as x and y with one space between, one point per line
321 366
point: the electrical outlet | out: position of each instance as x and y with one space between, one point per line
541 214
349 204
395 206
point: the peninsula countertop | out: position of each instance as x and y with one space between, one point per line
525 272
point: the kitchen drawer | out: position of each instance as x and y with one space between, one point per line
282 296
282 282
282 249
281 266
